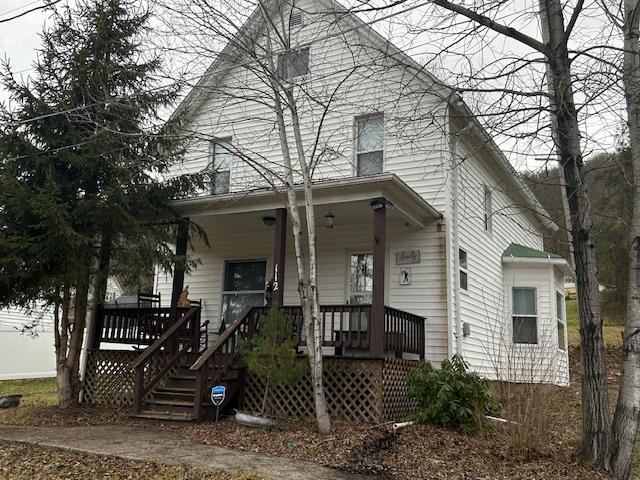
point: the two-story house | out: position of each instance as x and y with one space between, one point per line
427 238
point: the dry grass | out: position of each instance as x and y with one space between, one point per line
37 391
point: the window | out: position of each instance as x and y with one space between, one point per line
369 144
560 318
244 284
488 209
462 264
295 20
297 59
524 315
222 157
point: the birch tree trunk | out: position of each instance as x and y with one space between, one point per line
627 413
306 267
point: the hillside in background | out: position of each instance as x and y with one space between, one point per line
610 186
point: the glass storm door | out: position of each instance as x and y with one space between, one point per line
360 288
244 284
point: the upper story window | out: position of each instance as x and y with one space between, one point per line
295 19
222 157
524 311
298 60
561 320
462 265
370 144
488 209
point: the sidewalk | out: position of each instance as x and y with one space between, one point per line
165 447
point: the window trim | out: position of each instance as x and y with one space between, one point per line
224 292
462 269
356 152
488 217
218 141
561 319
536 316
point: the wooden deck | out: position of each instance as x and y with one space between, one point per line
173 375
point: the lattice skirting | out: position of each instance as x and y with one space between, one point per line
356 389
109 379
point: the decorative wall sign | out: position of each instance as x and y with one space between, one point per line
407 257
405 276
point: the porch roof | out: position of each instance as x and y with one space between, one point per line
408 204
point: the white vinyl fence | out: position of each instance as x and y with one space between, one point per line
24 355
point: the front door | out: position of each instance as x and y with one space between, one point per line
244 285
360 287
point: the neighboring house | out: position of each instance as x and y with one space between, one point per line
26 352
429 243
463 243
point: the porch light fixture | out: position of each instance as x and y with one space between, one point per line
329 220
380 202
269 221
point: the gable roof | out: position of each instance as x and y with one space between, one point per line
198 95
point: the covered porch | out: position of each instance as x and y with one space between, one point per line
250 263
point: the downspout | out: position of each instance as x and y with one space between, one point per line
455 237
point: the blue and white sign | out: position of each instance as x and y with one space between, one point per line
217 394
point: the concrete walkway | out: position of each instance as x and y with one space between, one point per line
166 447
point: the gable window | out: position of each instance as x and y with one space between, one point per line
298 60
488 209
222 157
370 144
524 312
463 274
244 283
561 319
295 19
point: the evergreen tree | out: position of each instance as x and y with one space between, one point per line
83 154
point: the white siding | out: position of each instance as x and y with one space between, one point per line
483 305
423 297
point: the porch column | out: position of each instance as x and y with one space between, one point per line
279 256
181 256
376 318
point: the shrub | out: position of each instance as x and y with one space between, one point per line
451 396
271 355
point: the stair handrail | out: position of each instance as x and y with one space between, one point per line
226 339
170 335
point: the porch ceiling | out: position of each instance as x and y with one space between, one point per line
347 198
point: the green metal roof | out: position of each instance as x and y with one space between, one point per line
520 251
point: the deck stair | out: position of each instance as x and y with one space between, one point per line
174 398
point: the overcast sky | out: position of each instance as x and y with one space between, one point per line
19 40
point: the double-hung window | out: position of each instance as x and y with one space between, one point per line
222 158
370 144
561 319
244 284
488 209
463 273
524 312
297 60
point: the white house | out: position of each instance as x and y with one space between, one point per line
462 236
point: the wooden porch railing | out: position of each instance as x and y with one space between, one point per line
157 360
134 325
342 326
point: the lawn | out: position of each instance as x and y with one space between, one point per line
611 331
35 392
